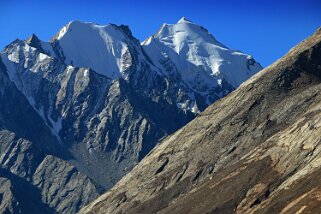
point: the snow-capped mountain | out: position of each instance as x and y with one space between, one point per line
104 49
184 54
202 62
107 99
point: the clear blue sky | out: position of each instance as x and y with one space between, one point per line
265 29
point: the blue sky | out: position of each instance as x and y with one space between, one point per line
264 29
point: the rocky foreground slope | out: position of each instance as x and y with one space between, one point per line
255 151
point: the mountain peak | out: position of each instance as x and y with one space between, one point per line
179 42
35 42
95 46
74 25
33 37
184 20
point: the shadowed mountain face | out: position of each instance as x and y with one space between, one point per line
35 176
255 151
79 112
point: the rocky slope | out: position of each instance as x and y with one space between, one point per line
255 151
27 151
87 106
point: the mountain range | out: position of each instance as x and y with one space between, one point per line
79 112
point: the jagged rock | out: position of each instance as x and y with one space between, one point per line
25 141
8 203
62 186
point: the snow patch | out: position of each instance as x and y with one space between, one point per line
62 32
86 73
219 82
69 69
42 57
14 56
189 105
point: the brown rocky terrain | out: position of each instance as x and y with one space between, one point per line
255 151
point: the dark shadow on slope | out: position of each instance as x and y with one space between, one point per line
28 196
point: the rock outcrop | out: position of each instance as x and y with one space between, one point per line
29 158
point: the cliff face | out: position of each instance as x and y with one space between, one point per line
34 174
255 151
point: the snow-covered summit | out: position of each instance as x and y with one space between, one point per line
184 19
190 50
100 47
202 61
